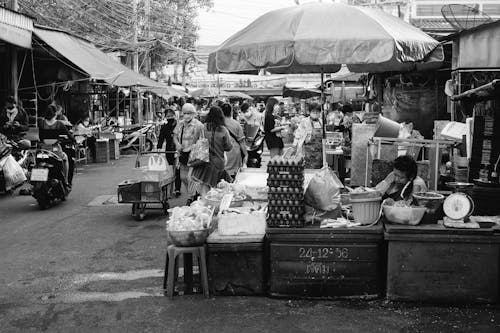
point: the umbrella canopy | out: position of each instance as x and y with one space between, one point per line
303 93
168 91
209 93
319 37
238 94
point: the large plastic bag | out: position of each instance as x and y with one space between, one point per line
12 171
323 191
157 163
156 170
200 153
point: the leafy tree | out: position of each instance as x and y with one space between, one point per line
109 24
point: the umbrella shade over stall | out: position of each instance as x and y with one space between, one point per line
303 93
169 91
209 93
238 94
320 37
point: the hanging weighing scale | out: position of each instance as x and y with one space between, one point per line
458 206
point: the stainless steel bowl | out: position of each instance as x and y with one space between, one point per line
430 200
188 238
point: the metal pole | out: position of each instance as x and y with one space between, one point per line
13 4
323 117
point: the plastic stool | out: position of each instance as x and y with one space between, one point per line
171 268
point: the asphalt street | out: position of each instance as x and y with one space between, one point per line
86 265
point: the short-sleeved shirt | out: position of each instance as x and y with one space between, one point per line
190 133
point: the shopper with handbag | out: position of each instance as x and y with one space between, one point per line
186 133
236 157
167 135
209 174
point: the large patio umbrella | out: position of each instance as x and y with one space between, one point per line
319 37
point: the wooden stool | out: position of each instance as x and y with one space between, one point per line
171 271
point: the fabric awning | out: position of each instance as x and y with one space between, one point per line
15 28
482 93
93 61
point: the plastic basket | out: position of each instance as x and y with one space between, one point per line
366 210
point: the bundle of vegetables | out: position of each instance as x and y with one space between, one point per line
187 218
223 188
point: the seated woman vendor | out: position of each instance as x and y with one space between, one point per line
403 181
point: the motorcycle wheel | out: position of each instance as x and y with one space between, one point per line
43 203
148 146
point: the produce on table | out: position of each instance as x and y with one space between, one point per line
223 188
402 212
362 189
187 218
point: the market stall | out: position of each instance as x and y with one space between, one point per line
324 240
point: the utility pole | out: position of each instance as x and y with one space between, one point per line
147 11
135 54
135 58
147 59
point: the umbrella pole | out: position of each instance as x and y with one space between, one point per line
218 84
323 118
323 103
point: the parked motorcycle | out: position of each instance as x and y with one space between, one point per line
131 137
47 177
20 151
254 139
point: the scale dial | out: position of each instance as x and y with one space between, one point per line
457 206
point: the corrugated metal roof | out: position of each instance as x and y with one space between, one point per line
437 25
15 28
93 61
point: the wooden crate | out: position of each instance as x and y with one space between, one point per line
236 265
327 263
102 151
433 263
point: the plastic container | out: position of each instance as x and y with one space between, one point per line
387 128
367 210
188 238
404 215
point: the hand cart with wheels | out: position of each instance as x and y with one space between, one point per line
149 187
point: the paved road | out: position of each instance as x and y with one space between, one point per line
87 266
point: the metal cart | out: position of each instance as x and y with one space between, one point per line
152 188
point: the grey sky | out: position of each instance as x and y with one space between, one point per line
229 16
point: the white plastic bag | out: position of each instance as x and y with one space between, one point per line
13 172
157 163
323 191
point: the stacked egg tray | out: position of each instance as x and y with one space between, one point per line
286 194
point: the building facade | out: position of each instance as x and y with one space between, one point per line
463 14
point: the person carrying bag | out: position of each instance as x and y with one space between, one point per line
207 175
186 134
